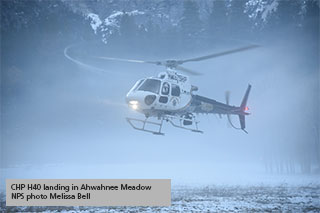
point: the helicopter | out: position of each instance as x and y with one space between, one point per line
171 97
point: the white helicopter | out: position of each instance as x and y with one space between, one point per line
170 97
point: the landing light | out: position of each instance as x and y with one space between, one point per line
134 104
246 109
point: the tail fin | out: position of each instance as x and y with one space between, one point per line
243 106
245 99
241 111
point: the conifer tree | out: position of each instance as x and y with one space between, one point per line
217 19
191 24
238 20
311 19
128 28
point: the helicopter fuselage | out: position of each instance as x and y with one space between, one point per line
170 96
168 93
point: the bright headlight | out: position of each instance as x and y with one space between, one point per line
134 104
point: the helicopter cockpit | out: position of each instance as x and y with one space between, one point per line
153 92
150 85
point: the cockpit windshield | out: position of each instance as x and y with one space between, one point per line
137 84
151 85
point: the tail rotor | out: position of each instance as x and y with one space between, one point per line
242 110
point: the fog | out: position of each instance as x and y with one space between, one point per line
64 117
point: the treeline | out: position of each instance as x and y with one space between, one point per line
222 19
50 24
225 20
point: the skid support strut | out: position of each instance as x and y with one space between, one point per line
180 125
175 121
134 122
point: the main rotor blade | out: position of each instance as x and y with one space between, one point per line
219 54
130 60
191 72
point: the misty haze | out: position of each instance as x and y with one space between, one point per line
63 110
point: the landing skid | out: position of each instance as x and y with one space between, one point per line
144 123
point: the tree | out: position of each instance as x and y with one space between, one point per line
311 27
191 24
311 19
288 12
285 17
128 28
238 20
217 20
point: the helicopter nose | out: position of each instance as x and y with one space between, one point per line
135 101
134 104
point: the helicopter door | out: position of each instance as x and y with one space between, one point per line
175 95
164 93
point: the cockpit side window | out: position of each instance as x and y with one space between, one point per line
138 83
175 90
151 85
165 88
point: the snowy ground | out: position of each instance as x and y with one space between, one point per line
216 191
216 199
